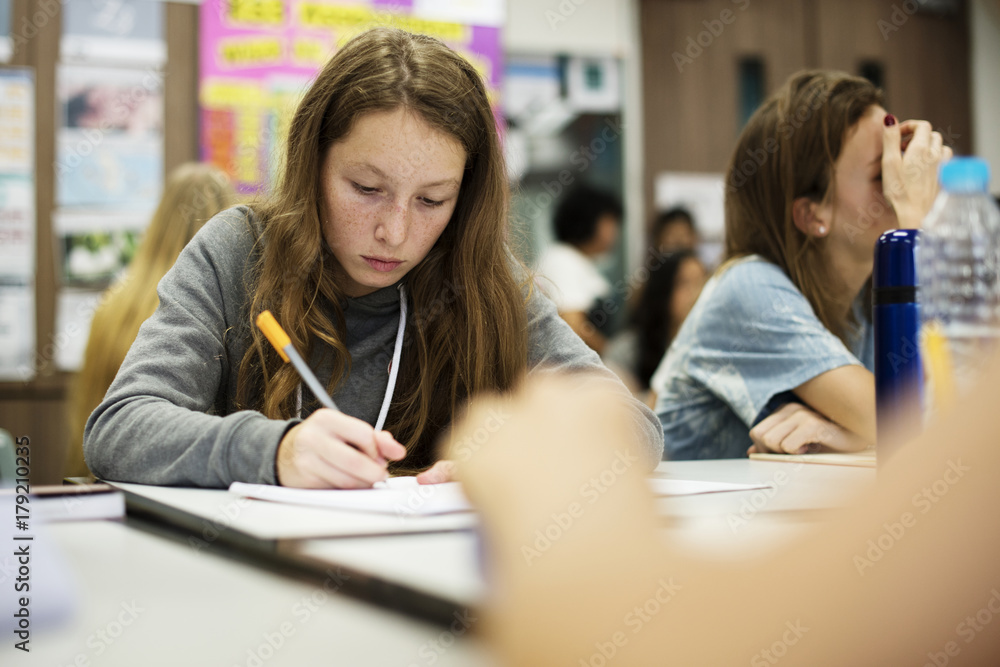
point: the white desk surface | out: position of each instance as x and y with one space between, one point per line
197 608
732 525
201 608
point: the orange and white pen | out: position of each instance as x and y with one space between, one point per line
283 344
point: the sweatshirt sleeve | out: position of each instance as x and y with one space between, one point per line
554 346
163 420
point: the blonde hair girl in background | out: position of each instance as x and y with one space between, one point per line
193 193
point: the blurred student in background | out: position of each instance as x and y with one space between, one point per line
193 194
777 354
586 226
674 229
663 302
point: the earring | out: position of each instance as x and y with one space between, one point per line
821 230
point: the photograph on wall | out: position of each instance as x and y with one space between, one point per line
109 146
96 247
97 257
113 31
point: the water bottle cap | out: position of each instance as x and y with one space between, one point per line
894 259
965 174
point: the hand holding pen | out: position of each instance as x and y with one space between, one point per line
328 449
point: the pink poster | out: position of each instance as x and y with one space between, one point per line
259 56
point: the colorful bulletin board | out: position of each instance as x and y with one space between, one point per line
259 56
17 224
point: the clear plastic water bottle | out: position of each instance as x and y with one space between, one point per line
958 269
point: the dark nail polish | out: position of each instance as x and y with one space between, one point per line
890 120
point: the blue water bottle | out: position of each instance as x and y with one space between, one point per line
899 374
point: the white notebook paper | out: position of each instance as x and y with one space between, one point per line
402 496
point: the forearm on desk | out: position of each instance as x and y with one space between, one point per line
846 396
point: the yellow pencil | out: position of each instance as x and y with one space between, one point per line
938 357
283 344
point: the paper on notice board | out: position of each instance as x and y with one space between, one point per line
17 228
17 124
74 312
123 31
17 332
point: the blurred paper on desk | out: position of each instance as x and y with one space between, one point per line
690 487
33 571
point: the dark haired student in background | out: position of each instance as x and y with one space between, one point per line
674 229
586 226
664 301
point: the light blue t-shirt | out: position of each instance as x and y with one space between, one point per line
750 339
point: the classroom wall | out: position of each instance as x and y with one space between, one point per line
984 21
580 27
38 408
692 107
602 28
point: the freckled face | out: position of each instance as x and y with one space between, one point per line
388 191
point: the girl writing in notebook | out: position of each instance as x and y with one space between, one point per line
777 354
383 248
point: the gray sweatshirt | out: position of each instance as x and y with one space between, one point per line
170 416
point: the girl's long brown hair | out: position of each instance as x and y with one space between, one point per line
193 193
787 150
467 331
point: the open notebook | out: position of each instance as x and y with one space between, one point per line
402 496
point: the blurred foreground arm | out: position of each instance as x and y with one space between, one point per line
603 583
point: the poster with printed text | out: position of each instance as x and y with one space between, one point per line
17 125
17 228
259 56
